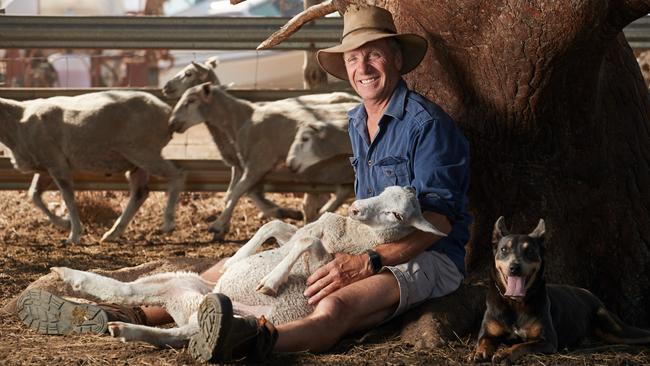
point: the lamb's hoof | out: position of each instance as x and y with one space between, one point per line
261 288
116 330
167 228
290 214
59 272
218 234
71 240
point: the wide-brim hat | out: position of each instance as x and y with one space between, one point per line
366 24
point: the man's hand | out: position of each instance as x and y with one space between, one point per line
343 270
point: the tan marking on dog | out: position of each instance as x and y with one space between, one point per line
494 328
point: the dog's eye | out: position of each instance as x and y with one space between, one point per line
504 250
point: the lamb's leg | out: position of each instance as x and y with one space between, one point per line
154 164
63 180
246 183
343 192
139 192
160 337
148 290
35 193
277 229
270 209
270 284
311 204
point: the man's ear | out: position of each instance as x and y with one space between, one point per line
399 61
499 231
539 230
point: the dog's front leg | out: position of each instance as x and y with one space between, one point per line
484 349
512 354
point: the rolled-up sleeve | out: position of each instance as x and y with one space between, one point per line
440 167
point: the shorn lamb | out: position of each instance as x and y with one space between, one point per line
106 132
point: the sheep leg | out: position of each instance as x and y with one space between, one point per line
244 185
270 209
179 294
63 180
154 164
342 193
160 337
311 203
277 229
139 192
35 193
270 284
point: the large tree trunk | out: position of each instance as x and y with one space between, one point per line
556 111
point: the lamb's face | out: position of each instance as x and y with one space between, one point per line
396 207
304 151
187 112
191 75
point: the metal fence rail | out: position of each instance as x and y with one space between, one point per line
160 32
188 32
202 175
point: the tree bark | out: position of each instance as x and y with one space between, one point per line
556 111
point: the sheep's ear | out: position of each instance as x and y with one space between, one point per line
213 62
226 86
499 231
206 92
539 230
200 67
420 223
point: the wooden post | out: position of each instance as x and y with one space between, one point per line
314 76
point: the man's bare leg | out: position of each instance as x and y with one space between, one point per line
157 315
358 306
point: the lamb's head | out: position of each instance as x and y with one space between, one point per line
395 208
191 75
312 145
189 109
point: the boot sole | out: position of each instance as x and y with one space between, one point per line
50 314
215 320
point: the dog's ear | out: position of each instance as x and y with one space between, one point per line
499 230
539 230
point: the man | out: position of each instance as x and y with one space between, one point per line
398 138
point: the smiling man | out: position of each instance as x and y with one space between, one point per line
398 138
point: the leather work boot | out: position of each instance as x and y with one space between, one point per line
223 337
49 314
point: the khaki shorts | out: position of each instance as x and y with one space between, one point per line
429 275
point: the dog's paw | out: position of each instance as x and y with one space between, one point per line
70 276
502 356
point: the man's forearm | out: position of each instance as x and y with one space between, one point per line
413 244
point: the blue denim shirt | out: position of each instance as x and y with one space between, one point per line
419 145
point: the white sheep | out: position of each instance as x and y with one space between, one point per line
321 150
259 135
197 73
267 282
107 132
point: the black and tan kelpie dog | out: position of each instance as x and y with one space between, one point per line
533 317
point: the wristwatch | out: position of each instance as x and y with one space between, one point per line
374 260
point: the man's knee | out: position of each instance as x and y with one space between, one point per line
334 309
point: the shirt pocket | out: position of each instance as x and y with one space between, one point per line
393 171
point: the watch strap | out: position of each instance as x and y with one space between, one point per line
374 259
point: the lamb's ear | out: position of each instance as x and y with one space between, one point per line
213 62
420 223
539 230
206 92
200 67
499 231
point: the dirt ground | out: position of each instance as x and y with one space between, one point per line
30 245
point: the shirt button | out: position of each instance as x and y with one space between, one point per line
369 162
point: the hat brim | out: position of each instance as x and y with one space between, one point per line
414 47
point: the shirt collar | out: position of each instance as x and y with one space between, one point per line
395 107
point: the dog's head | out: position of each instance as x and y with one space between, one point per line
518 259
